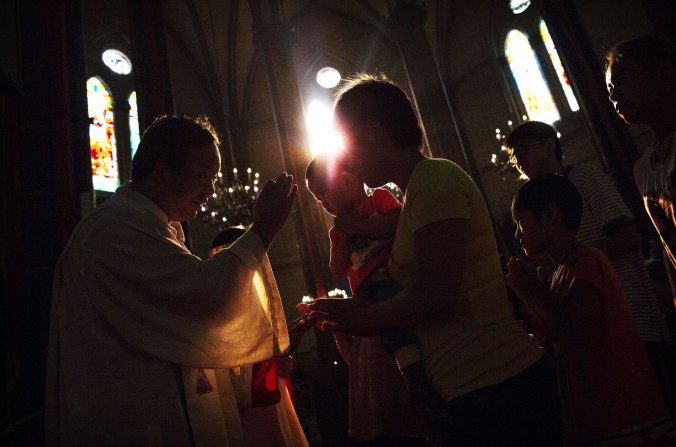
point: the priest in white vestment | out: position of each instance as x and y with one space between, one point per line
142 331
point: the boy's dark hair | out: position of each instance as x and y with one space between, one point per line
227 236
324 164
536 194
368 98
648 51
536 131
169 140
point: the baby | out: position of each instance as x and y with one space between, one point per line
361 241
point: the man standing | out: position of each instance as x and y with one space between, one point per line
139 324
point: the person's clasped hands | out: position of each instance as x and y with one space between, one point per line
526 279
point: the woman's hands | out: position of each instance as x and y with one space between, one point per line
349 315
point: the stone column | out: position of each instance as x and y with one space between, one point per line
44 167
273 38
407 23
150 61
122 134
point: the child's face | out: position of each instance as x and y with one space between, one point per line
530 232
634 90
329 195
534 157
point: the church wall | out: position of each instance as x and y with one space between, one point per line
9 52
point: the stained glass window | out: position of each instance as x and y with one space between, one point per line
558 66
102 136
134 134
532 86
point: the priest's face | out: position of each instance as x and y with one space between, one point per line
192 185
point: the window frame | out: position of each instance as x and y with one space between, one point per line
528 22
120 87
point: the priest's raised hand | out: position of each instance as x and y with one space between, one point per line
273 207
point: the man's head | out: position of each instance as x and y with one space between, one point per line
176 162
535 148
641 79
331 180
376 119
545 208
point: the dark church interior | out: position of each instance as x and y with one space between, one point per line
473 69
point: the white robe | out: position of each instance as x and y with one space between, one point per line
134 317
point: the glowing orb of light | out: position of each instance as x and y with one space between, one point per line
328 77
117 61
519 6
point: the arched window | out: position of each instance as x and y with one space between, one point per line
530 82
113 113
558 66
102 145
134 134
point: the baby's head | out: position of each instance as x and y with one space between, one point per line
332 182
545 209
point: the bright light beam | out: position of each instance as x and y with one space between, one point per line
322 135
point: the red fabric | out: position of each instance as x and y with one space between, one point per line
203 384
380 202
617 391
264 384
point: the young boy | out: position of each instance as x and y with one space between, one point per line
361 240
608 390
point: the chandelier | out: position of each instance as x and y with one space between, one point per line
231 205
502 159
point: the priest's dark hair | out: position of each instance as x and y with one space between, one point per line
169 140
